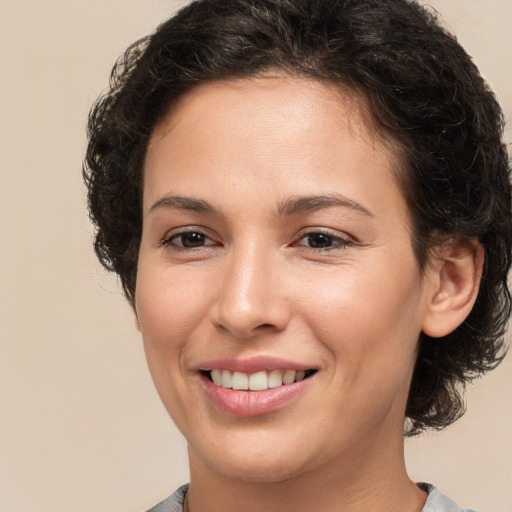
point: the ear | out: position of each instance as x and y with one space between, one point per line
456 272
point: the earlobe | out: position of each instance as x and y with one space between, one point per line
457 271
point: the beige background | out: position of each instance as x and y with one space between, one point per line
81 428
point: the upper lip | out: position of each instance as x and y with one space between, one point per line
252 364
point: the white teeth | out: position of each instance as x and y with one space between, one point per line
258 381
289 377
217 377
240 381
275 379
226 379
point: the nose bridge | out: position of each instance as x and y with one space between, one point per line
249 299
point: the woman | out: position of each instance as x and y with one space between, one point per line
308 205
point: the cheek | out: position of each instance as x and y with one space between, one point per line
170 303
170 307
370 335
369 319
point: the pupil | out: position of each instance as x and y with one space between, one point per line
319 240
192 239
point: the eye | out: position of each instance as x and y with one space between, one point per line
187 240
319 240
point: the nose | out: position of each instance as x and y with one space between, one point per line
251 299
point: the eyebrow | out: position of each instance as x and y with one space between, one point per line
182 203
308 203
290 206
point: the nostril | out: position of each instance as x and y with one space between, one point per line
243 320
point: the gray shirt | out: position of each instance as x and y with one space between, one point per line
436 502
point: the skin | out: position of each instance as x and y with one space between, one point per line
353 310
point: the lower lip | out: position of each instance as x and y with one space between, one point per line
252 403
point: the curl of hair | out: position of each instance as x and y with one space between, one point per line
425 95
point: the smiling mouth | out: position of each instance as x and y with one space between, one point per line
259 381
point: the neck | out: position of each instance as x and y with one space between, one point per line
375 481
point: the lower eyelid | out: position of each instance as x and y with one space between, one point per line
337 240
168 239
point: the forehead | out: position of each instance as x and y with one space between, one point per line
263 97
277 135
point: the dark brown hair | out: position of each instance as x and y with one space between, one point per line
425 94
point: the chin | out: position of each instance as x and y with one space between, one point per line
258 460
262 471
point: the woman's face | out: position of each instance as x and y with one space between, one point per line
276 246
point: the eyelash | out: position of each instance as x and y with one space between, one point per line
336 242
169 240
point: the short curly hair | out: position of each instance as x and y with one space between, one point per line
425 94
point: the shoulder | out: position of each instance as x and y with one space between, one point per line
438 502
174 503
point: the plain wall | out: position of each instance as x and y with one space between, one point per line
81 427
